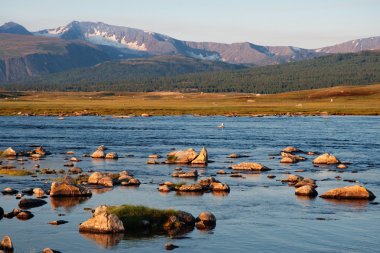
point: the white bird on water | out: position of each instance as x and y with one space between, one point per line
221 125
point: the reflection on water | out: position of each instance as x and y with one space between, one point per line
356 204
104 240
67 203
189 194
220 194
100 190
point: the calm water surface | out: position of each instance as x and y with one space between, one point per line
259 214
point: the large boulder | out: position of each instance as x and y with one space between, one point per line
349 192
202 159
102 222
326 158
306 190
250 166
68 188
181 156
6 244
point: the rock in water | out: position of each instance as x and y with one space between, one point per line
291 149
306 190
202 159
182 156
100 179
6 244
250 166
102 222
326 158
98 154
170 246
1 213
112 155
68 188
31 203
9 152
349 192
205 220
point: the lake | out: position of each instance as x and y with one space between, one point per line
259 214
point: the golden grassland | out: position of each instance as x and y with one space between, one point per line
341 100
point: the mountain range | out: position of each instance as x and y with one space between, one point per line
26 54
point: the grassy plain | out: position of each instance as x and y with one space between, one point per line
342 100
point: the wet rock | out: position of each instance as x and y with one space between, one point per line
31 203
202 158
191 188
292 178
112 155
1 212
152 161
38 192
182 174
165 188
220 187
306 190
291 149
24 215
68 188
326 158
181 156
306 181
250 166
342 166
99 178
58 222
98 154
349 192
70 152
19 195
170 246
75 170
74 159
233 156
39 151
154 156
205 220
9 191
221 172
9 152
49 250
131 182
270 176
102 222
6 244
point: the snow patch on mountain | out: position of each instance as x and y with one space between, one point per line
212 57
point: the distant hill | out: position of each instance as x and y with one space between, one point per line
133 70
142 75
14 28
23 56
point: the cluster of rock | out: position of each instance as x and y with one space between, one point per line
204 185
304 186
68 188
110 179
99 153
189 156
36 153
177 222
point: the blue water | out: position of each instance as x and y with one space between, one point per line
259 214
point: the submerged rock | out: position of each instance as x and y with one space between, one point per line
326 158
31 203
102 222
250 166
170 246
349 192
24 215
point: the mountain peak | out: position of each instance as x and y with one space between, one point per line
14 28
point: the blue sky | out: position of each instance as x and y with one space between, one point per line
303 23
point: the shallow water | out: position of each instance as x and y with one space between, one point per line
259 214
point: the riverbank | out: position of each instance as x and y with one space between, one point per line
342 100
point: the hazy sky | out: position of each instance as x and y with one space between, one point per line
303 23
